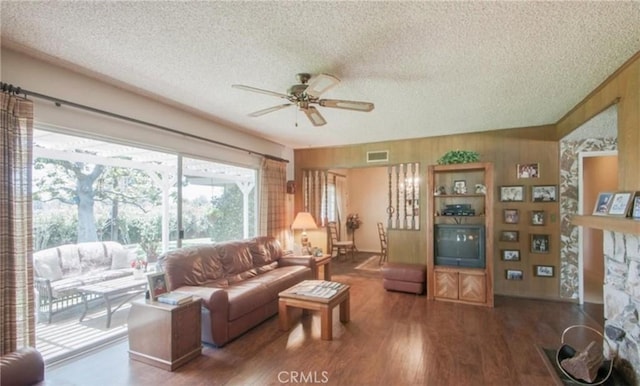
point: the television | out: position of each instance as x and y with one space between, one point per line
459 245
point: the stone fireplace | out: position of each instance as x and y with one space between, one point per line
622 296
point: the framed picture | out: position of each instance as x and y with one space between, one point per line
537 217
157 285
620 204
602 203
635 213
511 216
510 254
512 193
539 243
544 193
543 270
513 274
528 170
509 235
291 187
460 187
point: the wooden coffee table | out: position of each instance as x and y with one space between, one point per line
315 295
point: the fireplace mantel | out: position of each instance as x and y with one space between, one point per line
615 224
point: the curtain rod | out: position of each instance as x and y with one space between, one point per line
59 102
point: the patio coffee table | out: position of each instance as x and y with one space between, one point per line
127 287
315 295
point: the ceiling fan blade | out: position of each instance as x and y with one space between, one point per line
347 105
314 116
320 83
261 91
269 110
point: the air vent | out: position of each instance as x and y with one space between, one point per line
378 156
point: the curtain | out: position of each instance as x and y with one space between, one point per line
17 309
341 205
273 221
315 189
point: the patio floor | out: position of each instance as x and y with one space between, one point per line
67 337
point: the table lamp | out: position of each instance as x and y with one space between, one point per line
304 221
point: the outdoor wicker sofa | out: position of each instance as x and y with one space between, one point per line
61 270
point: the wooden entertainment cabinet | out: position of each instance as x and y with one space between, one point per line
454 283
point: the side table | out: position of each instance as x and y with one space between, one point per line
323 263
163 335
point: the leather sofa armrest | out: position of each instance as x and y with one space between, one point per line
307 261
22 367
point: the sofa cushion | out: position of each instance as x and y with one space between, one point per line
119 256
247 295
69 260
211 264
184 267
46 263
235 257
259 254
242 276
273 246
64 287
93 256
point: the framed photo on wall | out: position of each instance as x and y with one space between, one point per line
620 204
544 193
513 274
543 270
510 236
512 193
539 243
528 170
510 254
602 204
537 217
511 216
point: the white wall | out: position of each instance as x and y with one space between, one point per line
44 77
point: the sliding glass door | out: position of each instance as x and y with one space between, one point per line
101 208
219 201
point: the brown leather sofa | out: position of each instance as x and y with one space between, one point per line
238 282
22 367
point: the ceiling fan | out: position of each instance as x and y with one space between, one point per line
307 93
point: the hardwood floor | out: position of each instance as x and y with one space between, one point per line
392 339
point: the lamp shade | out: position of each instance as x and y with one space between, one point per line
304 221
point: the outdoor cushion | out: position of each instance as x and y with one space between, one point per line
70 260
47 264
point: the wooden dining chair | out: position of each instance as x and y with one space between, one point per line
337 246
384 252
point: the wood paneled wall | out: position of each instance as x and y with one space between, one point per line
622 87
505 149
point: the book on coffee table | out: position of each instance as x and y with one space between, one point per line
318 288
175 298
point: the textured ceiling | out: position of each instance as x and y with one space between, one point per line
431 68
